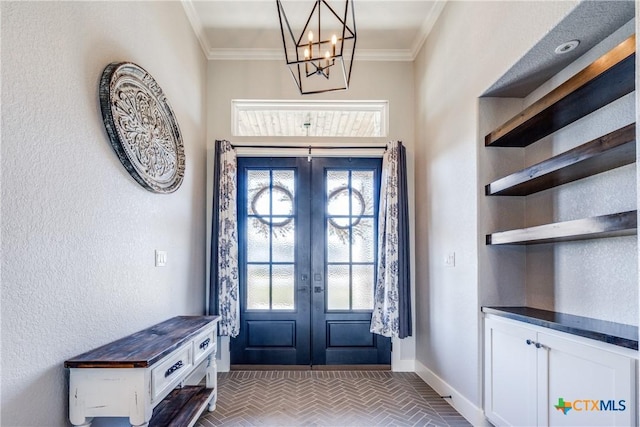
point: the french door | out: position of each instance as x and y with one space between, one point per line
308 239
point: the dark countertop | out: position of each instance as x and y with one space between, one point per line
601 330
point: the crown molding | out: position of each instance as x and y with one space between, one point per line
229 54
426 27
253 54
383 55
197 26
278 55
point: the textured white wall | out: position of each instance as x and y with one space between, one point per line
392 81
78 234
471 46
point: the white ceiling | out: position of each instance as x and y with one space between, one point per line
391 30
590 22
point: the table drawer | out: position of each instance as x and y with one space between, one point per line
203 345
171 371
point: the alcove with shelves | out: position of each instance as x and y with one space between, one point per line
610 77
557 186
558 247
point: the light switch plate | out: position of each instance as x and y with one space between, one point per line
450 259
161 258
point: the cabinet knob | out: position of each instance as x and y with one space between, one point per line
529 342
538 345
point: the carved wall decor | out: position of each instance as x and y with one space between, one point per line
141 126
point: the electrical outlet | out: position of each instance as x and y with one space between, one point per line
161 258
450 259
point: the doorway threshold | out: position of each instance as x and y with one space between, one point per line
310 367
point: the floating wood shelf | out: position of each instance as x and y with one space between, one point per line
618 224
605 80
610 151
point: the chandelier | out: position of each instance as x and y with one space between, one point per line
320 55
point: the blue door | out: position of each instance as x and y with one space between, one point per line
308 242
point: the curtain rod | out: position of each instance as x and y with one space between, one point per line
313 147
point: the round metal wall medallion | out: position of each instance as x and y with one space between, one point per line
142 128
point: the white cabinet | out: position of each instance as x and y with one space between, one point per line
599 383
530 371
510 374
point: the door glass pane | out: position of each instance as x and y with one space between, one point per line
351 239
257 242
338 201
283 190
270 237
362 281
337 192
283 242
338 287
363 241
257 287
259 195
283 287
337 243
358 204
362 181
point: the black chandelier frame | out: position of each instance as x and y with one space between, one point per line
305 67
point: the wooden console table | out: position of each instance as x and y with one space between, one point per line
152 376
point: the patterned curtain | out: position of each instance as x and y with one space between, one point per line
392 306
224 242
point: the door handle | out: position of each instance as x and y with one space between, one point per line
304 277
317 289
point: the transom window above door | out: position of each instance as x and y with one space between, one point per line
346 119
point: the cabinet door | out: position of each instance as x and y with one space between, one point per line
596 386
510 374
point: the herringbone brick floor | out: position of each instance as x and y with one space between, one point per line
328 398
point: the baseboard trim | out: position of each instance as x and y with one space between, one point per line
464 406
351 367
270 368
403 365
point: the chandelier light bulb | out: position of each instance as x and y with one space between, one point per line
328 64
306 57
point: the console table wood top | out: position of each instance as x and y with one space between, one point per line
144 348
